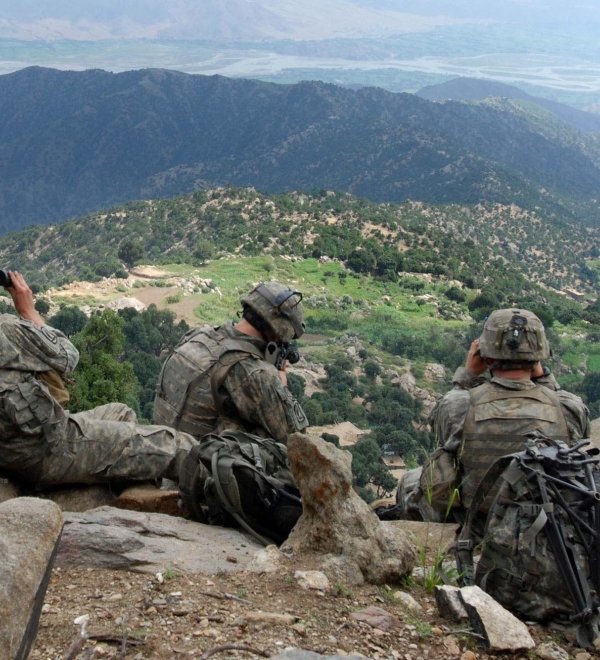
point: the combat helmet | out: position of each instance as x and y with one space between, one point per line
515 335
279 307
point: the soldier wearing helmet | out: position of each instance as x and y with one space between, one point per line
232 376
502 395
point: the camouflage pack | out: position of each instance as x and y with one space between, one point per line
235 478
540 553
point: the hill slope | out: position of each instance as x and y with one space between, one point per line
477 89
509 248
73 142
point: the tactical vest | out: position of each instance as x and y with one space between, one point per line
188 397
497 422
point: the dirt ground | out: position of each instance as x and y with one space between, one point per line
139 616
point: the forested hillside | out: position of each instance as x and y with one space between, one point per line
73 142
509 251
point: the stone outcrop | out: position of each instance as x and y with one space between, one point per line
29 533
336 527
108 537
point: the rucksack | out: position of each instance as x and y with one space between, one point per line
236 478
540 551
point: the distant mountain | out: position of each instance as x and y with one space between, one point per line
73 142
477 89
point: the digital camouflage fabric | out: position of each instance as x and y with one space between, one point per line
43 444
217 379
540 554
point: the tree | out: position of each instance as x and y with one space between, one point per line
101 377
69 319
130 251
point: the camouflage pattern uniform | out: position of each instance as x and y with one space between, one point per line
480 420
217 379
41 443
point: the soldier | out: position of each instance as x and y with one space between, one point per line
233 377
482 419
41 443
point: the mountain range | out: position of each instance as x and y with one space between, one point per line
74 142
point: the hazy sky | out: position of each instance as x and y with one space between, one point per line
260 19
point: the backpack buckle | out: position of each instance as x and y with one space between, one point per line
464 544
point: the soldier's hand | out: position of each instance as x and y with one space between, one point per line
23 298
282 373
538 370
475 363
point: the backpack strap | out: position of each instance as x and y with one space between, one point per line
464 543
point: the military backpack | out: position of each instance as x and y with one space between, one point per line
540 550
236 478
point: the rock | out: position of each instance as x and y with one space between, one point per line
501 629
149 498
312 580
8 490
434 373
377 617
108 537
408 601
551 651
266 617
301 654
29 531
449 603
336 522
80 498
268 560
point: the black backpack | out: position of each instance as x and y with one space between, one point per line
238 478
540 552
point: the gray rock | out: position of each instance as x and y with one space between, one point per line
501 629
449 603
29 533
151 542
551 651
301 654
408 601
336 522
377 617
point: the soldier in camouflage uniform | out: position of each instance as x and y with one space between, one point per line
481 418
229 378
41 443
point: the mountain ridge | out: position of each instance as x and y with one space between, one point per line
74 142
478 89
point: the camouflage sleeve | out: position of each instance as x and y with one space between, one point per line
448 417
466 379
260 398
43 346
576 414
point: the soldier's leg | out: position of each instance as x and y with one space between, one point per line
100 450
116 412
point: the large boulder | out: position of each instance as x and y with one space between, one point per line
29 532
336 527
114 538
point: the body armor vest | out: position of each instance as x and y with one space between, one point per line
497 422
188 397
